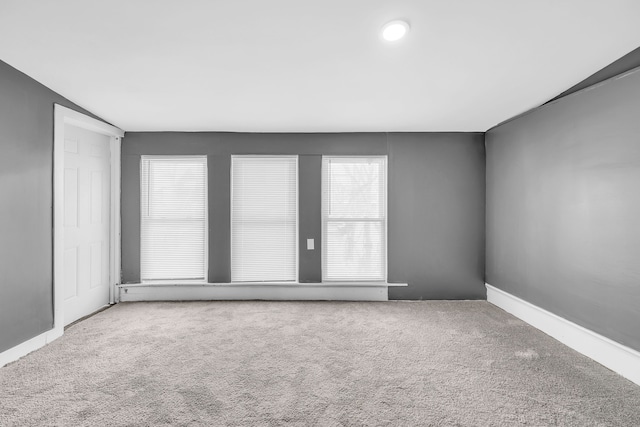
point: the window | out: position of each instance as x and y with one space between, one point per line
173 218
354 226
264 218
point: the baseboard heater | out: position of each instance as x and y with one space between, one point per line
333 291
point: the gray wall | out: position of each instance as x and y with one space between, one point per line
26 241
436 201
436 215
628 62
563 208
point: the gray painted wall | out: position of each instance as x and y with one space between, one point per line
26 240
628 62
436 215
436 201
563 208
310 217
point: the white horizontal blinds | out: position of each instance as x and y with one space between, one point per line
173 218
264 216
354 209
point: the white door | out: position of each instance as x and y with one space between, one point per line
87 198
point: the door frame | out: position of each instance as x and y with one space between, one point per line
62 116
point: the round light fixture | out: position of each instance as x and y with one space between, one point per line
395 30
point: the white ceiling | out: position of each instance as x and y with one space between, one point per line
312 66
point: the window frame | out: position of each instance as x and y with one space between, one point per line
325 219
205 278
296 278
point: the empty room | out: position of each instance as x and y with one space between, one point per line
319 213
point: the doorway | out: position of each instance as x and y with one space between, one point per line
86 215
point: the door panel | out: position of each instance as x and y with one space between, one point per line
87 198
70 272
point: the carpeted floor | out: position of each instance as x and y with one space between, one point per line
464 363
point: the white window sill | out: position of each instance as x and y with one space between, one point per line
252 284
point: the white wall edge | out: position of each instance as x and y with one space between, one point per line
81 120
615 356
115 232
252 292
21 350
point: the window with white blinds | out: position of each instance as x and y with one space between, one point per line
354 223
173 218
264 218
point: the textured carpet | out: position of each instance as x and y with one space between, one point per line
311 363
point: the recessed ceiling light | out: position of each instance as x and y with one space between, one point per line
395 30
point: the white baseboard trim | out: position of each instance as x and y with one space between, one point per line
615 356
276 292
15 353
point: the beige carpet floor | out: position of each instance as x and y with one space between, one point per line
433 363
